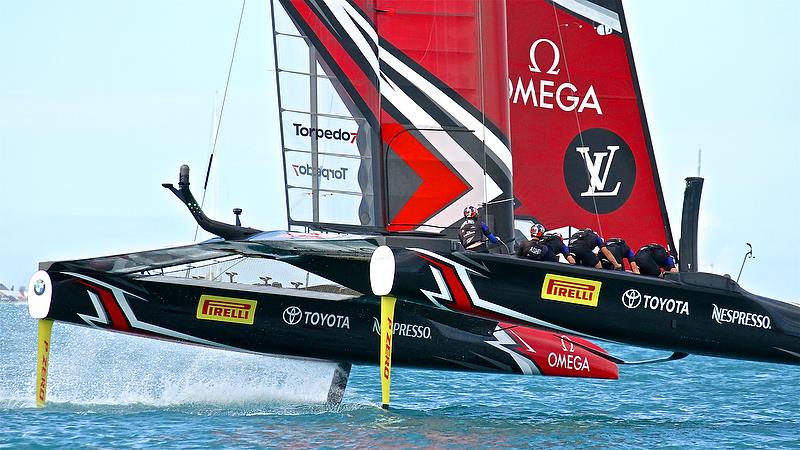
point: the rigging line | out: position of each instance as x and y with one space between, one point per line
183 267
505 200
577 118
235 263
221 110
479 18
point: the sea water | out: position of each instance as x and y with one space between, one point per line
108 390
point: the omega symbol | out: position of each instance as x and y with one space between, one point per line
534 66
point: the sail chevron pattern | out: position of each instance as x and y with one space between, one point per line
459 156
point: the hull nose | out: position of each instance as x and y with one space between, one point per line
40 294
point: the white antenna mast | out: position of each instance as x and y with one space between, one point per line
699 157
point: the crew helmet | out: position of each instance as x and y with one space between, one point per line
470 212
537 230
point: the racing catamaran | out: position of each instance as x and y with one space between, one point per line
394 116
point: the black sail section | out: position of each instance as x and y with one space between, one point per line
689 221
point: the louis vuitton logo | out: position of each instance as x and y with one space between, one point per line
594 165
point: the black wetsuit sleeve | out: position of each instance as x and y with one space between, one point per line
523 248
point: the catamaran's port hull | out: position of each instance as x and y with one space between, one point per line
301 323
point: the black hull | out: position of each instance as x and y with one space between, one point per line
687 312
295 323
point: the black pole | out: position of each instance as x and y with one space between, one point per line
687 255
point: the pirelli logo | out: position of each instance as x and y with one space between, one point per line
571 290
226 309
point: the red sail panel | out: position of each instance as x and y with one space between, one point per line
446 39
579 131
436 85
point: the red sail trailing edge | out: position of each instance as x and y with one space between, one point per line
581 146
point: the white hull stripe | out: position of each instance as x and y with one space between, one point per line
478 302
119 296
503 340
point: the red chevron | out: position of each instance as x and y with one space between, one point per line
440 185
115 314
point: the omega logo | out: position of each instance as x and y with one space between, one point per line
534 66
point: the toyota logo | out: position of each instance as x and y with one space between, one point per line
39 287
292 315
632 298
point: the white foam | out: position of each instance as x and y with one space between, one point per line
97 367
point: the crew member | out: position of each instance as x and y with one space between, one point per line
620 249
473 230
582 245
653 260
554 241
535 249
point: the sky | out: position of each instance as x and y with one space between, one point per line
101 102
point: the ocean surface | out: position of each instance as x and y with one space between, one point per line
113 391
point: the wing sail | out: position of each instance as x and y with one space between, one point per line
393 112
578 123
328 104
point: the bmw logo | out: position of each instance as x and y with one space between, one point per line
292 315
632 298
39 287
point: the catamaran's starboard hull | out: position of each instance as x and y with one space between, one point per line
695 313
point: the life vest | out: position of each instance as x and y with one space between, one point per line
657 252
470 233
618 247
553 242
537 251
583 238
615 241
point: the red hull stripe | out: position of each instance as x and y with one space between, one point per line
459 293
115 314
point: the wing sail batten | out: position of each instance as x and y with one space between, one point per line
328 102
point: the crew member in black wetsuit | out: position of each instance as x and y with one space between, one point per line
535 249
582 245
620 249
555 242
473 230
652 259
